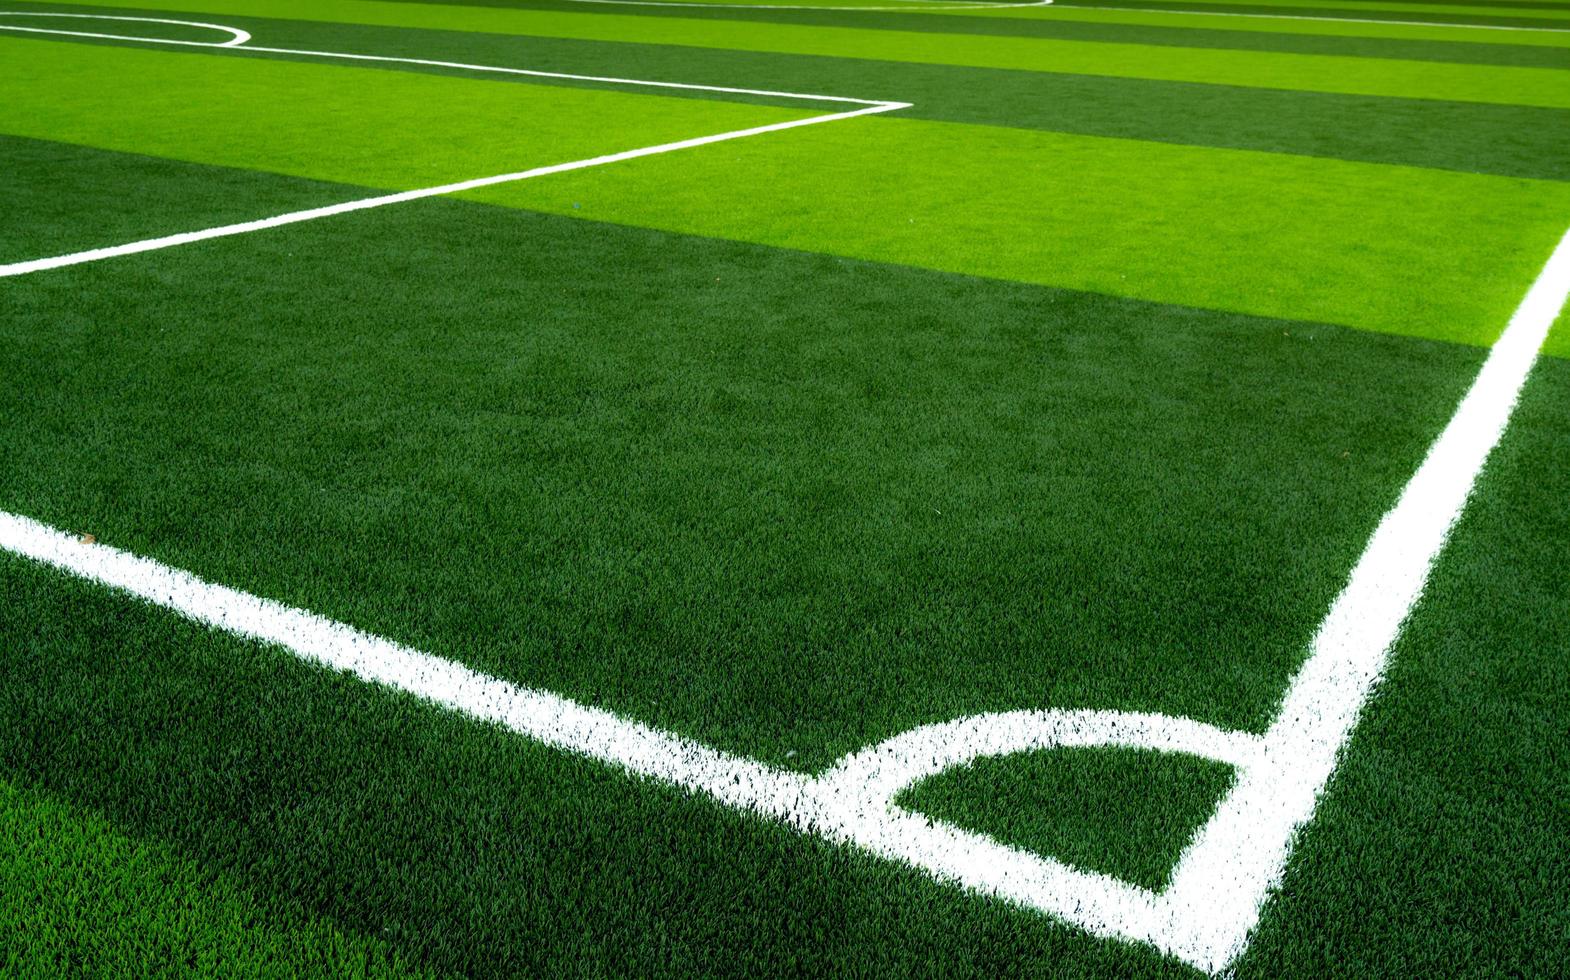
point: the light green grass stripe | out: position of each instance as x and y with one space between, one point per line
393 130
1224 22
1355 9
1396 249
1297 72
79 898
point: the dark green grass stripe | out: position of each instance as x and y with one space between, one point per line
1516 141
922 495
62 199
1502 53
1329 13
467 850
1440 845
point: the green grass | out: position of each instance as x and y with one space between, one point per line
1517 141
395 130
1123 812
914 484
1196 20
1264 234
1439 848
78 897
1315 73
1080 384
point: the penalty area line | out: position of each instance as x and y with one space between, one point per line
239 42
402 197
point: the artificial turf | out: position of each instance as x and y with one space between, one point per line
1081 383
1471 137
80 897
1266 234
1122 812
913 483
1509 85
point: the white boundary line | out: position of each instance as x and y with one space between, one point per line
1229 868
1312 17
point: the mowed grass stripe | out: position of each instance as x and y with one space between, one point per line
1534 21
62 198
1500 53
487 449
393 130
1386 8
1263 234
1437 13
1270 235
1355 76
1469 137
1350 28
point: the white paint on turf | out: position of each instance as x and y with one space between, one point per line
363 204
865 107
1221 882
1224 876
236 36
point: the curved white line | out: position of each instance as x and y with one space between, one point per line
876 775
237 37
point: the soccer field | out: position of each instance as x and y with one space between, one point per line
819 487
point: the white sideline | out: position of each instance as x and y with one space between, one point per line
239 41
1228 870
1237 858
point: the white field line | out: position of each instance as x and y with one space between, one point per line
1225 874
236 36
238 41
1236 859
1205 915
364 204
1318 17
